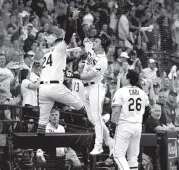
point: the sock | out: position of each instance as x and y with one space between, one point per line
41 129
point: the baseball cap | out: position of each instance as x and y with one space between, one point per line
173 93
124 55
29 25
151 60
156 85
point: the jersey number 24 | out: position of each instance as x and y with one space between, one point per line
47 61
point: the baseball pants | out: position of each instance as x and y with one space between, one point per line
49 93
127 140
93 101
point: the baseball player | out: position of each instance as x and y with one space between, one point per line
128 107
51 81
92 75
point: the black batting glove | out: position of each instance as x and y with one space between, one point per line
70 74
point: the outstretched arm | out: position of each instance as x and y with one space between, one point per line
71 26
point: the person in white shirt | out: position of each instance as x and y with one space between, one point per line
71 160
28 89
6 76
150 73
28 61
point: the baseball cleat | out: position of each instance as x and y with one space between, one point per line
40 156
96 151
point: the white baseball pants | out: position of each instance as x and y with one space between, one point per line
93 101
127 140
49 93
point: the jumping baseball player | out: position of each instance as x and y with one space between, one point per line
92 75
128 107
51 81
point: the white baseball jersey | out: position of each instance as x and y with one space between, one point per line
54 62
77 88
96 62
133 101
60 129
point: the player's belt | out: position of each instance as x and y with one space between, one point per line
88 84
50 82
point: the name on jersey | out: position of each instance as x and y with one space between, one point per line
91 60
134 92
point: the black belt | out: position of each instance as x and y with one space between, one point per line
51 82
88 84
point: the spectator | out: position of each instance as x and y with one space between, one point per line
71 159
6 76
150 73
87 17
36 70
28 60
122 75
123 27
166 87
156 88
165 34
169 109
30 38
6 12
136 64
175 31
113 19
153 125
28 89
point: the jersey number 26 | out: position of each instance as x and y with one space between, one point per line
47 61
134 104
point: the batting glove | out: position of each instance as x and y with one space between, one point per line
70 74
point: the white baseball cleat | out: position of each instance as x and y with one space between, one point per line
40 156
106 117
96 151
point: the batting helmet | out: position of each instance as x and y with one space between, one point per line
105 40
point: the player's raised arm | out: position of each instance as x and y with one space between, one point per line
96 63
71 26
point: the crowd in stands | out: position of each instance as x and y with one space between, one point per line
139 31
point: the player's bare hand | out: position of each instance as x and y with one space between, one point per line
76 13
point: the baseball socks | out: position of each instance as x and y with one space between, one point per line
41 130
